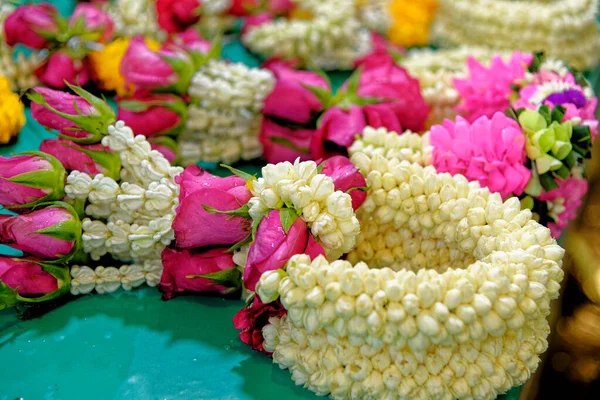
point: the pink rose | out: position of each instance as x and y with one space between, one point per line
28 180
241 8
251 320
196 227
27 277
568 196
254 20
49 233
397 89
337 131
93 20
346 177
92 159
150 70
272 247
29 24
60 67
153 114
380 53
284 144
290 100
180 266
280 7
83 120
177 15
191 41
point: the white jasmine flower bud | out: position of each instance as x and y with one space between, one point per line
333 240
322 187
257 208
311 211
271 199
339 204
305 170
301 196
324 224
268 285
273 173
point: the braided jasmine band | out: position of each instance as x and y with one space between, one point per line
84 279
469 320
135 17
333 38
572 34
375 14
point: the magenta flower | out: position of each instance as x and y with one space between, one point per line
60 67
164 70
82 119
564 201
31 25
191 41
346 178
491 151
397 89
272 247
284 144
196 227
183 267
251 320
26 277
93 20
290 99
177 15
50 233
153 115
28 180
92 159
337 131
487 90
380 53
254 20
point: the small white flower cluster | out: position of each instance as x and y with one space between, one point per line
328 212
224 122
456 308
109 279
562 29
139 211
333 38
407 146
136 17
19 68
436 71
375 15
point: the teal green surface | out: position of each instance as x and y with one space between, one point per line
132 345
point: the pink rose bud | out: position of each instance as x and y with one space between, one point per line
28 180
284 144
177 15
191 41
194 225
280 7
60 68
399 90
382 52
92 159
33 25
153 115
382 115
30 281
89 18
273 247
346 178
168 70
337 131
291 99
241 8
166 146
82 118
251 320
212 271
254 20
50 233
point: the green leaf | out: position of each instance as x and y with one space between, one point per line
581 134
558 113
184 68
537 61
563 172
244 175
363 101
240 212
545 112
134 105
323 95
8 296
288 216
320 167
527 203
289 144
354 81
570 160
323 75
510 113
229 277
548 182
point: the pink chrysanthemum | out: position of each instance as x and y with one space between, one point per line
551 89
487 90
563 202
491 151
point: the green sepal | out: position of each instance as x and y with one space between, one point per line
570 160
244 175
325 96
241 243
184 69
582 134
359 188
240 212
538 59
563 172
255 224
323 75
74 225
230 278
354 81
110 161
511 113
214 53
53 179
320 167
544 111
558 113
527 203
289 144
534 187
64 230
288 216
8 296
548 182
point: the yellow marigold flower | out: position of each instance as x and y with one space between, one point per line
411 21
106 65
12 117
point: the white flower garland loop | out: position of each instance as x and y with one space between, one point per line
446 295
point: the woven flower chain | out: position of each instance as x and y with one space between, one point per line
450 300
224 119
332 37
573 35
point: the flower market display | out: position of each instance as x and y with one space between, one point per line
392 229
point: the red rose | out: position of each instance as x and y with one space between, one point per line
251 320
177 15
